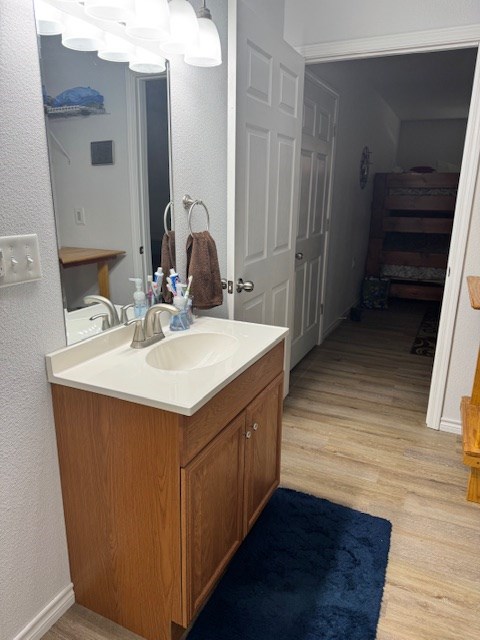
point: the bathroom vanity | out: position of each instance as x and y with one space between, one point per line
161 485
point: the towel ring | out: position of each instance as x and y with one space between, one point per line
165 226
192 206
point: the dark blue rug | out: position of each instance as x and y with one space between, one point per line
308 570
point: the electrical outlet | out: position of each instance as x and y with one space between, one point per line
79 213
19 259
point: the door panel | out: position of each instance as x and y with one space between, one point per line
319 116
268 110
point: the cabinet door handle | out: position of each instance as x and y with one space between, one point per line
248 434
255 426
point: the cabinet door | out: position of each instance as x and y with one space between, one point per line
212 513
262 450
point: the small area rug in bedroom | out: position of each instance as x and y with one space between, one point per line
426 338
308 570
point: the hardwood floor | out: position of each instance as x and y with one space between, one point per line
354 433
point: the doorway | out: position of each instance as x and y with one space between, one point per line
149 140
394 80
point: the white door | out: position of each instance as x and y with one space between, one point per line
269 88
320 105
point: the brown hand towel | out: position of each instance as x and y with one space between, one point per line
167 261
202 264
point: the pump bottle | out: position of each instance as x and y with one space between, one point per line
139 299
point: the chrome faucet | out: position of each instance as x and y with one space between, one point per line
149 330
112 315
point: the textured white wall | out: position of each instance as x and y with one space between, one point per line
271 11
313 22
33 555
199 146
434 143
364 119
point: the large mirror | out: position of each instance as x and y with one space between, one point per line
110 166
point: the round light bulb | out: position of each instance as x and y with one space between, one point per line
207 51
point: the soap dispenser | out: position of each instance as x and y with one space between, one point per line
139 299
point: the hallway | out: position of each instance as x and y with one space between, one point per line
354 432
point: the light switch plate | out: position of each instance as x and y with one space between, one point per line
19 259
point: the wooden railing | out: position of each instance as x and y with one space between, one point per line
471 413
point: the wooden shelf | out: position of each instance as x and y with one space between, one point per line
474 291
79 256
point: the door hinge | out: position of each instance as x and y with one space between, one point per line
327 224
321 309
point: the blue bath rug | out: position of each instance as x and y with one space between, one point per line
308 570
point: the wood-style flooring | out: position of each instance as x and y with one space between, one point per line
354 433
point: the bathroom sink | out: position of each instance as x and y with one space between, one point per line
192 351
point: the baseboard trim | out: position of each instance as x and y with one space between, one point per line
451 426
344 316
48 615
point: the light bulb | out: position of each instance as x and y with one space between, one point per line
80 35
143 61
207 51
183 27
151 20
48 19
117 10
115 49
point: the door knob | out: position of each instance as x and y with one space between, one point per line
299 256
244 286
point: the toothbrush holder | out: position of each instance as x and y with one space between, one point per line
180 321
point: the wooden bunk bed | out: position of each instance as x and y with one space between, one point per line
412 218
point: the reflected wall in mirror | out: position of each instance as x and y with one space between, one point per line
111 177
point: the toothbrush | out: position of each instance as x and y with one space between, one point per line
187 292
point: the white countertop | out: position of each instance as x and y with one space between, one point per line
107 364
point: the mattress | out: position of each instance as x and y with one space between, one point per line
422 274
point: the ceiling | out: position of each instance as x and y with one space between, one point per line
420 86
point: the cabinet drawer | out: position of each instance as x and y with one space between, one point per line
207 422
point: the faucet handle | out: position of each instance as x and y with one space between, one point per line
123 311
139 335
105 320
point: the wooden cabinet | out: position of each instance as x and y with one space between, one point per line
212 513
156 503
262 451
224 490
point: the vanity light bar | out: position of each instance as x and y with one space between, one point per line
157 28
